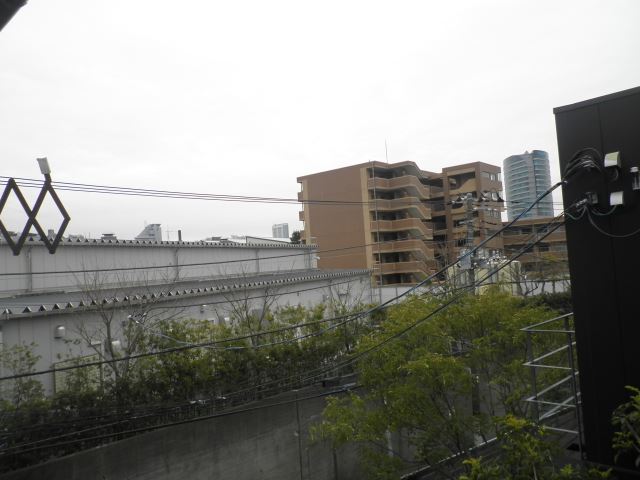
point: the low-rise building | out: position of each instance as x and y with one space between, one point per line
61 303
545 261
280 230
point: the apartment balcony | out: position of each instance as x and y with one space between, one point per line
405 246
403 225
470 185
436 191
301 215
458 210
545 258
300 196
440 232
494 243
555 237
405 181
404 267
404 203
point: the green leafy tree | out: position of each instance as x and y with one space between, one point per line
626 419
296 237
22 392
293 341
526 452
440 384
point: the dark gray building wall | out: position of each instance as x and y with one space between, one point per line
604 266
260 444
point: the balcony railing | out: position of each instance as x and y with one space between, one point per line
402 225
405 246
513 239
404 203
555 395
405 181
405 267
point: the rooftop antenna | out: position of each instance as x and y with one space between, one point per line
386 152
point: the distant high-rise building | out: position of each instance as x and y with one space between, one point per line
280 230
526 176
151 233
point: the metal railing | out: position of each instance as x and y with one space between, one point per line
555 397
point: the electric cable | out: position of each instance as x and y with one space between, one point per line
334 367
444 305
585 158
118 190
385 304
349 317
458 260
608 234
113 190
220 262
479 282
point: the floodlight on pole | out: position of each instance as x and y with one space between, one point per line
45 169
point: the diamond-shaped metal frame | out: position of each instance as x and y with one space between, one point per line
15 246
47 187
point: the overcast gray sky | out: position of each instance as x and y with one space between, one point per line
242 97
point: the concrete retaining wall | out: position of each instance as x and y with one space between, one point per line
259 444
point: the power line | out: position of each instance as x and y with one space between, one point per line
334 367
413 325
349 317
220 262
376 308
174 349
523 250
352 360
238 338
145 192
111 190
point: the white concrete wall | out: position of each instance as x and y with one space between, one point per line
221 260
39 327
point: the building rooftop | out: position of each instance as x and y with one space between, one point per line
50 303
107 242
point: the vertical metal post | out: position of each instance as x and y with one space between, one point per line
534 387
29 262
176 261
574 383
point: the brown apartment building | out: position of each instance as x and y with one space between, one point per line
545 260
396 219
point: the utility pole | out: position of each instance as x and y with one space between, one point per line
469 242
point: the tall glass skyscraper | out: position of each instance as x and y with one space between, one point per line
526 176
